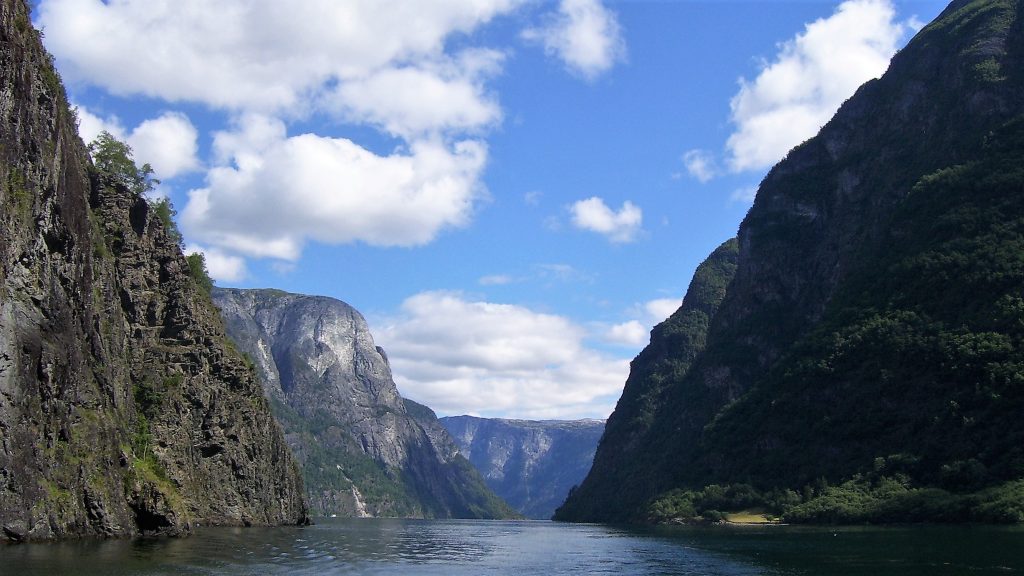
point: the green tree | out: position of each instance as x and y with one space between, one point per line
165 211
198 272
113 159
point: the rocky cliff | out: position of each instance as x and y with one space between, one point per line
865 362
123 409
364 450
532 465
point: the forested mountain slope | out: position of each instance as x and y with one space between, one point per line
865 362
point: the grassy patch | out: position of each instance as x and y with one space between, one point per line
750 517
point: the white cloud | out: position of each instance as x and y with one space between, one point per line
91 125
261 55
221 266
462 356
594 215
660 309
412 101
584 34
265 63
700 164
168 142
631 333
272 192
811 76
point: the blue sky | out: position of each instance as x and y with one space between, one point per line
513 192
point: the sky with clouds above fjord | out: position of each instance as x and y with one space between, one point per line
513 192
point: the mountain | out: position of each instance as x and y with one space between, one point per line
865 362
364 450
530 464
123 408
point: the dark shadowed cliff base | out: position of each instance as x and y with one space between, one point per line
123 408
865 363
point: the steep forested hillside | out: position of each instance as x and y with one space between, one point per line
865 363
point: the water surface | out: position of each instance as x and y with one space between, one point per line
454 547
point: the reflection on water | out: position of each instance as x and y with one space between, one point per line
369 546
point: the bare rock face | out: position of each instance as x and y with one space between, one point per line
364 450
531 464
123 409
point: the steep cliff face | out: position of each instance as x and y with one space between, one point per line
122 409
364 450
532 465
875 266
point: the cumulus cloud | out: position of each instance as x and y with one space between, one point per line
660 309
594 215
410 101
90 125
222 267
273 192
810 77
265 63
465 356
584 34
168 142
631 333
700 164
265 56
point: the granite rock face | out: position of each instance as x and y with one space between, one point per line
123 409
365 451
531 464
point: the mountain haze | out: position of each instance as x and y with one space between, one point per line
530 464
865 362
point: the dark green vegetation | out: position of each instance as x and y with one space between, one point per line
113 160
333 464
866 362
123 408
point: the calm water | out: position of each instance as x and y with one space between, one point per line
487 547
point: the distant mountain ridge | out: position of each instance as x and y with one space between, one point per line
865 360
531 464
364 450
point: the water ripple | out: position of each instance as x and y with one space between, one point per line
454 548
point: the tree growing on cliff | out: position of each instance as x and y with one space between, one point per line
113 159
